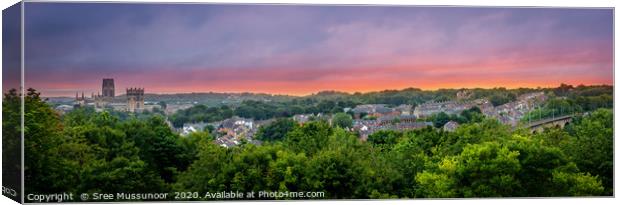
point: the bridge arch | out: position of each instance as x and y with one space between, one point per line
557 122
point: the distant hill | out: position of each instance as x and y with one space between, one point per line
392 97
212 98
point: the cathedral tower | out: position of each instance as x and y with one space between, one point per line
108 88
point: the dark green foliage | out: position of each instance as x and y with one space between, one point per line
592 146
502 98
342 120
201 113
470 115
42 136
553 108
441 119
209 128
333 172
276 130
310 137
482 170
518 166
387 137
89 151
192 142
208 172
109 159
158 146
119 175
11 140
573 101
563 90
259 110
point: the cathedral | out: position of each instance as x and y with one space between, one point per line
79 101
107 98
108 93
135 99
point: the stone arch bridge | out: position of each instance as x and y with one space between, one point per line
540 125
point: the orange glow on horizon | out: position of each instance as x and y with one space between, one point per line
300 92
305 81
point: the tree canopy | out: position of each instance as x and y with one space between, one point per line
89 151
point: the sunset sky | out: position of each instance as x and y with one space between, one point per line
299 50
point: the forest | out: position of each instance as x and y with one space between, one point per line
85 151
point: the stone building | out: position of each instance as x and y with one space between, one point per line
79 102
108 88
99 100
450 126
135 99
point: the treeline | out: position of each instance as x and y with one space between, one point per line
258 110
470 115
567 100
89 152
331 102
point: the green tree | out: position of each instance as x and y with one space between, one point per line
158 145
42 134
502 98
592 146
441 119
577 184
276 130
563 90
481 170
472 115
191 144
119 175
209 172
209 128
310 137
11 140
337 173
388 137
342 120
288 171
